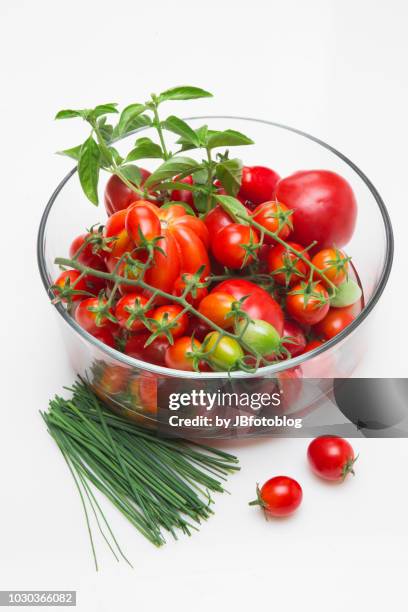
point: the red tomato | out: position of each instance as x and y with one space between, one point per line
334 322
274 217
312 344
183 195
119 196
308 303
235 245
286 267
89 255
324 207
129 311
297 343
216 220
165 268
142 224
177 356
217 307
115 227
194 296
171 314
258 184
279 496
331 457
105 335
153 353
259 304
69 280
89 316
333 263
113 379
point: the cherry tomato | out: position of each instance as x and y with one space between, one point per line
224 353
142 224
89 255
113 379
115 227
294 333
274 217
279 496
152 353
260 336
333 263
324 207
312 344
258 304
217 307
286 267
195 295
331 457
183 195
177 355
258 184
119 196
105 335
235 245
129 311
87 316
333 323
216 220
199 328
69 279
171 314
308 303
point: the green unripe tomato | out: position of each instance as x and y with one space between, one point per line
260 336
347 293
226 353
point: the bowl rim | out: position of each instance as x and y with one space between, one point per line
265 370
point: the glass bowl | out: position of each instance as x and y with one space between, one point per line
129 385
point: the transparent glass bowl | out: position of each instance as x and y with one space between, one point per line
126 383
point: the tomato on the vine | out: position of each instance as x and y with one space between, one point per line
274 217
334 322
216 220
183 195
308 303
258 303
261 337
119 196
258 184
334 265
235 245
312 344
331 457
130 311
286 267
152 353
115 228
324 206
279 496
92 314
294 339
224 353
70 280
195 294
217 307
173 316
105 335
180 355
142 224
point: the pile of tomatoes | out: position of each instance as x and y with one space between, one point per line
210 291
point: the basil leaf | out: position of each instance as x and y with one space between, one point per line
116 156
227 138
229 173
145 148
201 136
74 153
184 92
104 109
132 124
128 115
201 201
233 207
69 114
180 127
88 169
105 129
175 165
132 173
178 185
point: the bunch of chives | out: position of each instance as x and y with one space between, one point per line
159 485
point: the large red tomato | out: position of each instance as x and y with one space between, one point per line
324 207
259 304
118 195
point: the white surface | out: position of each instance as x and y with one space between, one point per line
334 69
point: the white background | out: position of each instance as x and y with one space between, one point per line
335 69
